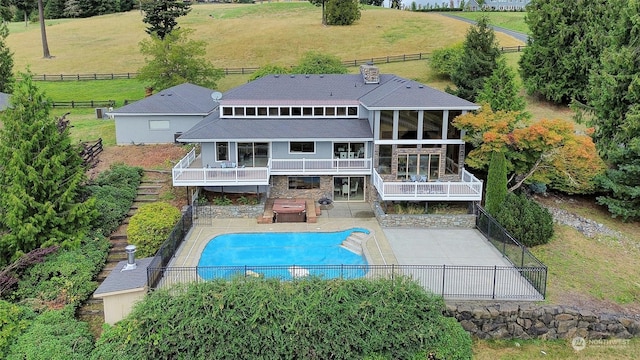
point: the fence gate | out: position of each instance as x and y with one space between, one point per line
202 215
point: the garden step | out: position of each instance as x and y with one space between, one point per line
90 312
149 187
93 300
352 244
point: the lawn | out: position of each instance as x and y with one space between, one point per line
248 35
505 19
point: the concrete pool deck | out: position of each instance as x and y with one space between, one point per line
386 246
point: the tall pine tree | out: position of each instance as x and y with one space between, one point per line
565 44
480 53
161 16
500 90
615 99
496 183
40 177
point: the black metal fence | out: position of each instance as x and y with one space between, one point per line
509 247
169 247
449 281
250 70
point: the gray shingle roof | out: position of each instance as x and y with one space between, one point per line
119 280
181 99
4 101
213 127
392 91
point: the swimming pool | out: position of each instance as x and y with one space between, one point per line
281 255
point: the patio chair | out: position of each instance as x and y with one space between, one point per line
354 188
345 189
423 178
413 178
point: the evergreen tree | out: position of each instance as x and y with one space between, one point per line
496 183
6 61
175 60
161 15
565 44
479 57
342 12
614 97
500 90
314 62
41 177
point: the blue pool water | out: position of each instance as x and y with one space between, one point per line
273 254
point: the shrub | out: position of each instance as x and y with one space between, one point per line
268 69
114 191
444 61
272 319
150 227
54 335
65 277
14 319
526 220
222 201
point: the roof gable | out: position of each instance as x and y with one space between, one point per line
181 99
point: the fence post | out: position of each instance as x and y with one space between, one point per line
393 271
522 256
444 267
495 270
341 271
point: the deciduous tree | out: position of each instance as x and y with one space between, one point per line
41 177
547 151
175 60
479 58
6 61
342 12
161 16
43 32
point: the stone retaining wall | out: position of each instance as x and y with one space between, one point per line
467 221
512 320
230 211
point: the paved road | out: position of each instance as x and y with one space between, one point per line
518 35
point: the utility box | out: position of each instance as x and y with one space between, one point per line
101 113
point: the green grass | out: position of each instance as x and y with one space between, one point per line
555 349
506 19
119 90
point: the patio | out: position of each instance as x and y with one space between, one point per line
456 263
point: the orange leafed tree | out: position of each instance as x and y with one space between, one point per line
546 151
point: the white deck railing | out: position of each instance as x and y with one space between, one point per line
469 189
320 166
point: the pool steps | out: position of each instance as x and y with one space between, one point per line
354 242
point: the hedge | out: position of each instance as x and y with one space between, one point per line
303 319
150 227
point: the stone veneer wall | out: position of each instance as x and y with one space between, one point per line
528 321
424 221
280 189
230 211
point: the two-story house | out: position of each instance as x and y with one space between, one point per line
354 137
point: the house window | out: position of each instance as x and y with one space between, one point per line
384 159
227 111
222 151
386 124
238 111
159 125
302 147
318 111
251 111
262 111
284 111
452 165
348 150
352 111
296 111
452 131
342 111
253 154
330 111
408 124
307 111
273 111
304 182
432 125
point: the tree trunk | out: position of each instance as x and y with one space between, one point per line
43 32
324 16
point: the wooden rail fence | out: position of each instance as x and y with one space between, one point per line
87 103
250 70
90 151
